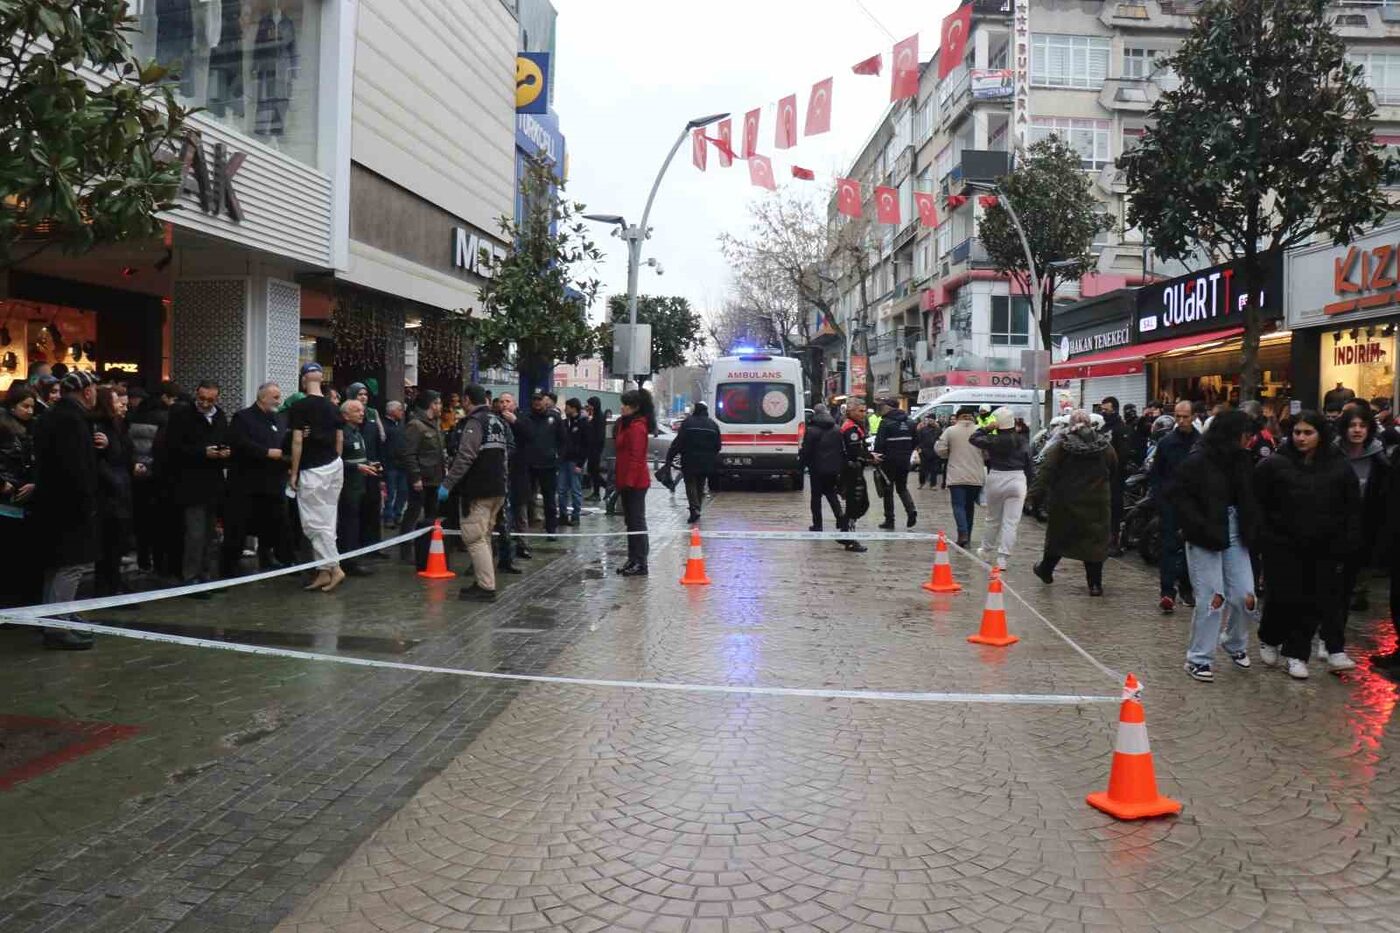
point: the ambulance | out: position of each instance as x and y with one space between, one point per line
758 400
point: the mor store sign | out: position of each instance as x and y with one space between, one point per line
207 173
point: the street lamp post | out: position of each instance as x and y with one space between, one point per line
635 235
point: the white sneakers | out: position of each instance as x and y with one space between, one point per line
1319 650
1268 654
1298 670
1336 663
1340 661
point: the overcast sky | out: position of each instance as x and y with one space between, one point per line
631 73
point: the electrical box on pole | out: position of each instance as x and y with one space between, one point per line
631 351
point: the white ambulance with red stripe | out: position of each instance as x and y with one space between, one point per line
758 399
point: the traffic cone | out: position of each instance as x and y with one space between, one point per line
993 631
695 564
1132 782
941 579
437 557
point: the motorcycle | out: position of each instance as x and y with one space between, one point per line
1142 522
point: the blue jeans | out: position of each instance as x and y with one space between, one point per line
965 509
396 498
1228 576
570 490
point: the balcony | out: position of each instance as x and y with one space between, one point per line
991 8
1149 14
1129 95
971 251
958 97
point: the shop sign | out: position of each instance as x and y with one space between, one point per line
1021 62
973 378
859 376
466 252
993 83
1093 343
207 173
1208 300
538 135
1328 284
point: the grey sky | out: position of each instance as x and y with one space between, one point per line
630 74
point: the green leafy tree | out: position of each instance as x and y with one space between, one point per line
1050 193
80 164
1266 144
677 330
537 293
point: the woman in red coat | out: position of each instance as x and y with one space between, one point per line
637 424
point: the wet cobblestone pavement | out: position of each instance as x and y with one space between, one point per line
257 793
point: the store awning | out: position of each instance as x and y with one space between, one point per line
1124 361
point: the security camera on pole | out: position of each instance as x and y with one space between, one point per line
632 341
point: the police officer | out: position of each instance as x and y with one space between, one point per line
894 442
853 435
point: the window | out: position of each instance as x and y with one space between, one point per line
1138 63
1132 138
943 164
923 122
755 402
945 239
1011 321
1382 72
1089 137
251 66
1069 61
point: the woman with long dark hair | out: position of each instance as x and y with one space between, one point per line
596 436
1212 493
638 422
116 468
1365 454
1309 510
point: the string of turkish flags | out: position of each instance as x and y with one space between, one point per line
904 83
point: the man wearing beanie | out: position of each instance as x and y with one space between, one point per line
1008 477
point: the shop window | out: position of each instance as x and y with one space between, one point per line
1090 138
1361 359
1011 321
1069 61
251 64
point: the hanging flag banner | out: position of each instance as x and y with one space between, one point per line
887 205
993 83
751 133
761 172
927 205
871 66
904 72
805 174
956 26
819 109
956 201
848 197
987 201
785 135
725 143
698 148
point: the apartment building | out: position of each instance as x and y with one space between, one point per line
939 315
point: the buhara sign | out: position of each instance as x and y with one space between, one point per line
207 176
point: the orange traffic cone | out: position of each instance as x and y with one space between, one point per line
1132 782
993 631
437 557
695 565
941 579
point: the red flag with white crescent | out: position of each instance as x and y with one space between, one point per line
927 205
887 205
697 148
953 40
904 75
988 201
751 133
805 174
761 172
725 143
871 66
819 109
785 137
848 197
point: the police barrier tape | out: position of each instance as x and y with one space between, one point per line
1032 699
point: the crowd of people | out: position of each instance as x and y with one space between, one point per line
100 476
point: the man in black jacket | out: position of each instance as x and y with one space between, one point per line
1121 442
823 455
65 507
894 442
698 444
572 460
518 470
198 453
548 438
395 479
479 470
1171 453
256 478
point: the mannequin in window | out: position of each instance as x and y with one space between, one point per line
226 58
274 69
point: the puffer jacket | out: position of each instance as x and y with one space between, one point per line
1309 507
1202 492
966 466
424 453
1007 451
1375 490
822 451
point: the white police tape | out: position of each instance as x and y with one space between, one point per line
753 534
1031 699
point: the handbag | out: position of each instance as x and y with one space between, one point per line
914 458
665 477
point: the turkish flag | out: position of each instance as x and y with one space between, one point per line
987 200
697 148
725 143
904 76
927 206
805 174
956 26
956 201
848 197
785 136
887 205
761 172
751 133
819 109
871 66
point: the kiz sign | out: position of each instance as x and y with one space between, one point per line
1364 278
1208 300
207 174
